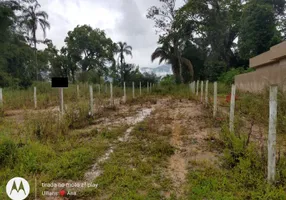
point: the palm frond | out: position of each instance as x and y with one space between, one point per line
42 14
128 52
45 23
37 5
128 47
159 52
162 59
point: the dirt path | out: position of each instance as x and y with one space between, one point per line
190 133
126 115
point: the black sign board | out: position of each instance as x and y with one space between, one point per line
60 82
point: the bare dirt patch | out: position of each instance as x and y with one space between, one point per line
189 137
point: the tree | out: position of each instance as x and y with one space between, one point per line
217 23
165 18
15 54
90 49
123 48
166 53
258 30
31 18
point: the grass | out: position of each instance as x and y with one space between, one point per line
241 174
134 170
51 149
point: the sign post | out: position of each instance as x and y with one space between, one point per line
61 83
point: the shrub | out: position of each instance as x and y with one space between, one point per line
46 126
77 116
228 77
168 80
8 153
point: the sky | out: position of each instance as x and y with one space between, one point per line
122 20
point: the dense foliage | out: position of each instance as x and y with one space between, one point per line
203 39
89 55
215 35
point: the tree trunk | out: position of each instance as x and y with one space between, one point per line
36 57
181 70
73 76
121 69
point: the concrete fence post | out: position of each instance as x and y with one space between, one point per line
207 91
77 91
215 99
1 97
91 100
61 100
140 88
272 134
35 97
124 91
99 89
197 92
194 87
111 95
232 107
133 90
147 87
202 90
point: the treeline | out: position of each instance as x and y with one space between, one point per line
205 39
89 55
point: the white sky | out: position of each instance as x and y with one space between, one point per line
122 20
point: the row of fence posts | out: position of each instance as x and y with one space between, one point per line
61 95
271 164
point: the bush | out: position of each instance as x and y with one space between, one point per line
8 153
46 126
77 115
33 158
228 77
168 80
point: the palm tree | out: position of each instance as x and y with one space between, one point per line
167 53
31 19
123 48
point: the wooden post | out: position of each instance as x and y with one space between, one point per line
197 93
35 97
77 91
61 100
190 87
105 88
272 133
202 90
133 90
150 87
124 91
140 88
91 100
206 93
111 94
215 99
232 106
